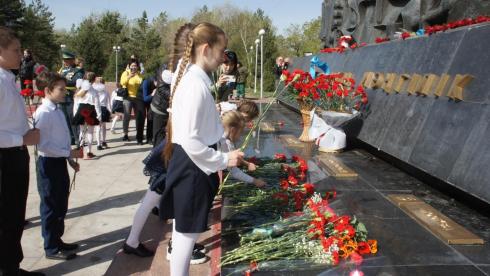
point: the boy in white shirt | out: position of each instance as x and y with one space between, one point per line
53 178
15 135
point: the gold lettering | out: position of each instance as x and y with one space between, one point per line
429 85
402 80
378 80
368 79
388 83
441 86
457 88
414 84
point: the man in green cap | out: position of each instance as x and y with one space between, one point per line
71 73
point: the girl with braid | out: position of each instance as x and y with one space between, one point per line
155 169
190 153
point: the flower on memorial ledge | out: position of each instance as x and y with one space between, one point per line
381 39
309 188
405 35
280 157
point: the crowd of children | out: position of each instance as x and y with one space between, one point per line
193 141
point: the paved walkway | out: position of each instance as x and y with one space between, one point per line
101 208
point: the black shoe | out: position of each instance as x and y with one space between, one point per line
140 143
100 148
68 246
197 256
30 273
125 138
104 144
61 255
155 211
140 251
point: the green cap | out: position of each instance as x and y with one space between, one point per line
68 55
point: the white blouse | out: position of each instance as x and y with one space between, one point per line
104 97
91 97
195 121
225 145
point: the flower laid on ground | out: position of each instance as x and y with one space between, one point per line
317 235
381 39
405 35
308 228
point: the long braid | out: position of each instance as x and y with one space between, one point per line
167 152
179 44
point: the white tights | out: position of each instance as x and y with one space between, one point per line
150 200
100 133
90 138
117 116
182 246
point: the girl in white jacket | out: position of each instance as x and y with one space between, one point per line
105 107
87 112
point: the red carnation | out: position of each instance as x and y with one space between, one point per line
39 93
26 92
356 258
27 82
309 188
280 157
405 35
363 248
292 180
284 184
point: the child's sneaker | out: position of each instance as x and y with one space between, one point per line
104 144
100 148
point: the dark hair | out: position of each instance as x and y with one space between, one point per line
48 79
248 107
90 76
7 36
136 62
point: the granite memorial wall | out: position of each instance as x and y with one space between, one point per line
447 136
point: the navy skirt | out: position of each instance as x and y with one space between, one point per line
189 193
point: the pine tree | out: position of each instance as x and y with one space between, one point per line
89 45
11 13
37 33
144 43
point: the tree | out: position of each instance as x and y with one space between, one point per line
88 45
144 43
11 13
37 33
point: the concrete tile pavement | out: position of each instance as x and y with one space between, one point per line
101 208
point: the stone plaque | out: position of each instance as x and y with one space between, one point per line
438 224
267 127
336 168
291 141
399 199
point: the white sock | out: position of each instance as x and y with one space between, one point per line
116 117
90 138
182 246
97 135
149 201
104 131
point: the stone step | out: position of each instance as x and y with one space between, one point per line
155 235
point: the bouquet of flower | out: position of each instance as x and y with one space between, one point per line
318 236
333 92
